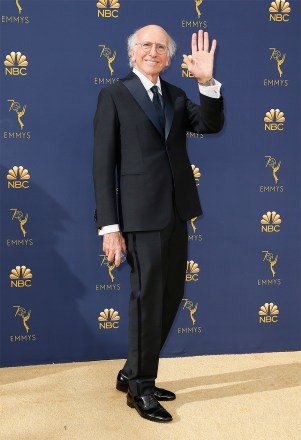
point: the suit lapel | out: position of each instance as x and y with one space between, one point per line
135 87
168 107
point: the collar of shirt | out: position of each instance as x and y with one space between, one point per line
147 84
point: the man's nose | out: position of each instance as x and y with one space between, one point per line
153 52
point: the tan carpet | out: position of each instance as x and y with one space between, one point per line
243 397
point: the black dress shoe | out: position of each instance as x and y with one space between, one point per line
122 384
149 408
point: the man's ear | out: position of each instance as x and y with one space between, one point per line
133 58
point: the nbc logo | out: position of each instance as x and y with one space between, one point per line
270 222
279 10
108 319
192 271
108 8
20 277
268 313
196 174
18 178
16 64
274 120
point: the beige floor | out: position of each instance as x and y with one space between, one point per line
243 397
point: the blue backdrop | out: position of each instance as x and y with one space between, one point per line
243 275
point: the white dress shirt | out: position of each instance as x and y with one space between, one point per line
210 91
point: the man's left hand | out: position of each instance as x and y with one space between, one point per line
201 64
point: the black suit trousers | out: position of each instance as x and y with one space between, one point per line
158 262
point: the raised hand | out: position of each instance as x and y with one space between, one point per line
201 64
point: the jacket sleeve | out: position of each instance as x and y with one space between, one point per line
207 117
106 143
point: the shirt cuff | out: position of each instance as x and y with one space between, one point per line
107 229
211 91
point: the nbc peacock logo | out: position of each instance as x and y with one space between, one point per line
108 8
15 64
270 222
268 313
279 11
274 120
192 271
18 177
108 319
196 174
20 276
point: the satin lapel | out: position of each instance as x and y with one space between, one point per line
136 89
168 107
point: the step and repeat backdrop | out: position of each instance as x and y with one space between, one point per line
61 300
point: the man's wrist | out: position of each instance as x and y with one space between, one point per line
206 83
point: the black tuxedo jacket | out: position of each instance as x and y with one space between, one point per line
146 165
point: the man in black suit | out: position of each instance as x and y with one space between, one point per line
140 146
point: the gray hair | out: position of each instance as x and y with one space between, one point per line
132 40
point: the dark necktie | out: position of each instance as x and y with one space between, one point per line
158 103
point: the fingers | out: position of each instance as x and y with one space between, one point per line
194 46
187 61
213 47
200 40
113 245
206 42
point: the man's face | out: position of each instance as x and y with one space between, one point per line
150 64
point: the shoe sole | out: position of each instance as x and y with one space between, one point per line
122 388
131 405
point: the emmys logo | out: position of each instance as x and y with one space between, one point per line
191 308
108 8
18 215
270 222
192 271
279 10
110 57
16 64
276 55
269 258
185 71
108 319
268 313
197 7
194 236
275 165
196 174
19 19
24 315
14 181
16 107
20 277
274 120
279 59
271 162
195 24
19 111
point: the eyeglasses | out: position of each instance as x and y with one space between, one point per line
148 45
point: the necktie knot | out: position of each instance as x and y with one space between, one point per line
154 89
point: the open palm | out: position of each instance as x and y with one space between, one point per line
201 64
